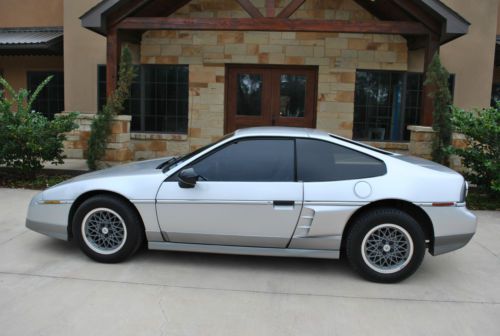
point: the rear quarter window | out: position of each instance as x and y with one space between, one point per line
320 161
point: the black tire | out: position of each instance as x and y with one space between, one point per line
123 215
366 264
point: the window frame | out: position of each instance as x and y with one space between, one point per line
174 176
140 80
48 102
403 135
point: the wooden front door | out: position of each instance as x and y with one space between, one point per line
270 96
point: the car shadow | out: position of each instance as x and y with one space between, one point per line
244 263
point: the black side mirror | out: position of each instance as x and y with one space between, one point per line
187 178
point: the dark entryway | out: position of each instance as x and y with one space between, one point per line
270 95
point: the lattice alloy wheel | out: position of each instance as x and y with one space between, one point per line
385 245
104 231
387 248
108 229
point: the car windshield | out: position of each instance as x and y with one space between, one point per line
175 161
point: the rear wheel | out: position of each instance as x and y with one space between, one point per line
107 229
385 245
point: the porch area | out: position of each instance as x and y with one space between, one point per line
206 68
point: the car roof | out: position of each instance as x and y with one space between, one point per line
278 131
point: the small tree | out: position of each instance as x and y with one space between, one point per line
438 77
101 125
28 138
481 156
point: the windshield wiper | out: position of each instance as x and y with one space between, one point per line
168 162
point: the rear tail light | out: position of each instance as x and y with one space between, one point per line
465 191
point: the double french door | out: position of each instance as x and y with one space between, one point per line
270 96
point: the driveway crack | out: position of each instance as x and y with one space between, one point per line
250 291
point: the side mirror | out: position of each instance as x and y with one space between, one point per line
187 178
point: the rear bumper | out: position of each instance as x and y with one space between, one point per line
454 227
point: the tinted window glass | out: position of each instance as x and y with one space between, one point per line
51 99
322 161
250 160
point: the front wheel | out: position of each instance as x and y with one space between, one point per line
385 245
107 229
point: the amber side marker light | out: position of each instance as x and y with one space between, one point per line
443 204
51 202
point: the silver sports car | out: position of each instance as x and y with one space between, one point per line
267 191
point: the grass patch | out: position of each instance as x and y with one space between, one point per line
480 201
43 180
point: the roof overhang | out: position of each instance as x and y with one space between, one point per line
31 41
453 24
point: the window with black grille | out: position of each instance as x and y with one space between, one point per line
51 99
159 98
386 102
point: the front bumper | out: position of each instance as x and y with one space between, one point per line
454 227
48 219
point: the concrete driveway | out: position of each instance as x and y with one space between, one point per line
48 287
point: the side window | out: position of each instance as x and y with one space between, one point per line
319 161
257 160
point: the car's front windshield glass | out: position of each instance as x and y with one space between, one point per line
175 161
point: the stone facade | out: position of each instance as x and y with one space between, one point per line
421 138
118 148
336 55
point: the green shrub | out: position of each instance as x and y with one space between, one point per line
28 138
481 157
437 76
101 125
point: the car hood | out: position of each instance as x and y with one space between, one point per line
130 169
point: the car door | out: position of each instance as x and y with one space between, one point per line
247 195
337 182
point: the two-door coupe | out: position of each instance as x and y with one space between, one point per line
267 191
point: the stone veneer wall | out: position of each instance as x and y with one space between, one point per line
336 55
118 147
421 138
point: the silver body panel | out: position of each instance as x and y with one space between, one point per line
240 216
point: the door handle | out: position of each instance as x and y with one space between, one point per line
283 203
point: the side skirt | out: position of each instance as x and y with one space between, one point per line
257 251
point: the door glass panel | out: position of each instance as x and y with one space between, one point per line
249 94
292 96
250 161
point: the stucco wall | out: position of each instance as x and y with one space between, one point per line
470 57
15 68
31 13
83 51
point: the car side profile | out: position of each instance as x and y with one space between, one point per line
271 191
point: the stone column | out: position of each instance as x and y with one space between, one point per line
421 138
118 145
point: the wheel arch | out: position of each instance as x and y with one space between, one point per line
85 196
413 210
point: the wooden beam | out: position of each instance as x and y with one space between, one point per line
270 8
420 15
248 6
427 108
275 24
113 48
124 11
290 9
161 8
